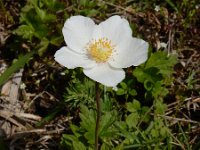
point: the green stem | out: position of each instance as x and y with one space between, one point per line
97 98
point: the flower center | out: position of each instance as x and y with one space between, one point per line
100 50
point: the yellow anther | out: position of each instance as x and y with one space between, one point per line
100 50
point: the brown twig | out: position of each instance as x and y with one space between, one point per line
118 7
179 119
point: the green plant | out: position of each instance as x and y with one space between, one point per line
135 127
40 23
155 74
83 136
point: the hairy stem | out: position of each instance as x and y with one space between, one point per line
97 98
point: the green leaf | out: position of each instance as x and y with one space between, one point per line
162 61
120 91
73 142
51 115
144 114
157 60
90 136
87 118
122 127
172 5
159 90
139 74
132 92
134 106
106 123
15 67
88 123
164 131
43 46
26 31
123 84
78 145
148 85
75 130
41 31
160 107
132 119
56 40
41 13
49 18
154 133
92 12
54 5
150 74
105 147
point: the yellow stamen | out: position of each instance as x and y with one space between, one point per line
100 50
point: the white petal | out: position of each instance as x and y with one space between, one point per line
77 32
105 74
116 28
98 32
130 51
71 59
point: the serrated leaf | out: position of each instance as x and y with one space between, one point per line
157 60
75 129
87 118
158 68
159 90
88 122
72 141
106 122
90 136
162 61
151 74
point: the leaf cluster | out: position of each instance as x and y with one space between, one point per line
156 73
40 23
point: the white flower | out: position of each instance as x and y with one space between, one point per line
101 50
157 8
